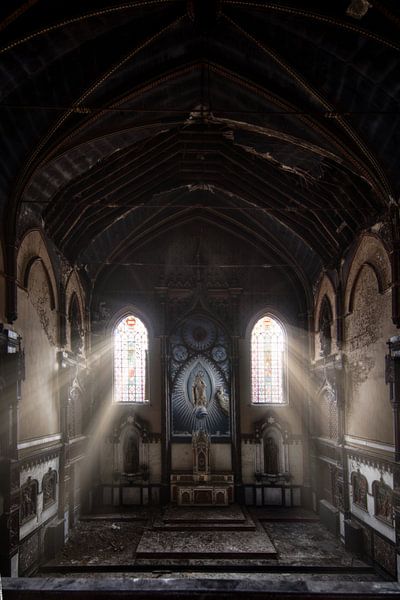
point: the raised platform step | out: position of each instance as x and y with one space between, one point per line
227 518
187 589
297 515
131 514
202 544
177 569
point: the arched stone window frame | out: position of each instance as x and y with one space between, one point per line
285 379
130 311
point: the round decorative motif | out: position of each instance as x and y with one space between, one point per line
199 333
130 321
219 353
180 353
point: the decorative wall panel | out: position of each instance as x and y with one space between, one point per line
199 379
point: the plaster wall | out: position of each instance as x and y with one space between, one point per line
154 453
249 451
181 457
295 452
367 329
39 405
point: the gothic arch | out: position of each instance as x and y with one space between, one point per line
33 249
370 253
279 350
378 278
75 304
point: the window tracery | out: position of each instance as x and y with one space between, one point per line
130 360
268 368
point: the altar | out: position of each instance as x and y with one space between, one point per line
201 487
216 491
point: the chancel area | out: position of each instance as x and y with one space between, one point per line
199 298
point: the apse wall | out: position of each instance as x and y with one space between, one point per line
180 283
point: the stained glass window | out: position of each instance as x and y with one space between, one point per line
268 370
130 360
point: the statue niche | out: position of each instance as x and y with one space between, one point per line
29 493
271 456
130 452
272 452
360 490
325 327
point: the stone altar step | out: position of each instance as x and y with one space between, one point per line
225 518
161 544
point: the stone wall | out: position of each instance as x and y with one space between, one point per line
37 324
367 327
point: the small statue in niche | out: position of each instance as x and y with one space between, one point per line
383 501
223 400
271 456
360 490
130 453
199 390
49 486
28 500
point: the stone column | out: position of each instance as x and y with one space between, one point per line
235 400
64 380
342 481
165 408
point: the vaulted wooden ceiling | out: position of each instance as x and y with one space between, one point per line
279 121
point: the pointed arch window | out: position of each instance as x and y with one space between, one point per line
130 360
268 362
